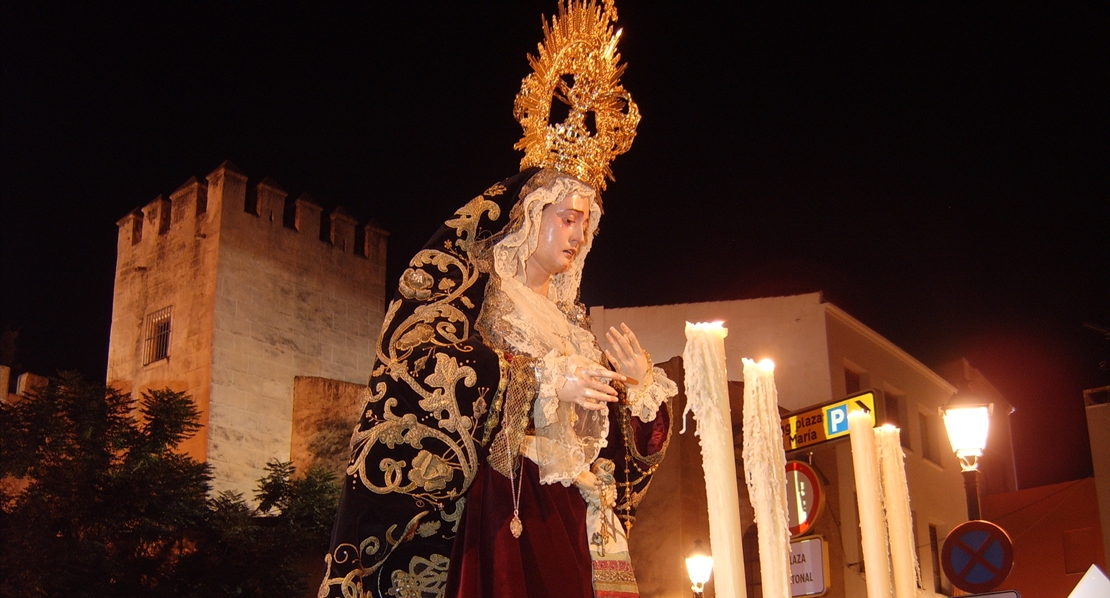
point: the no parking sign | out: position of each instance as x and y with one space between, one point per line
977 556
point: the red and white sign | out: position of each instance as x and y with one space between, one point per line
805 497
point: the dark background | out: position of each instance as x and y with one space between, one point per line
939 171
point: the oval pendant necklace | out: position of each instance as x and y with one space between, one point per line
515 526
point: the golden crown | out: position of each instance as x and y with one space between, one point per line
579 67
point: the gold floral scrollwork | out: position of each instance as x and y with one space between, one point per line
428 528
455 516
442 404
418 335
415 284
351 583
423 408
430 472
426 578
467 217
429 475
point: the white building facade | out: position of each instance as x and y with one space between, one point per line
822 354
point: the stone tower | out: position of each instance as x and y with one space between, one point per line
220 295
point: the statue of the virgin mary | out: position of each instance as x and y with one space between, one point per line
501 451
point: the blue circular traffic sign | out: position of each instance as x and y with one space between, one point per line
977 556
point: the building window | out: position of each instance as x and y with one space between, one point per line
928 438
156 336
851 382
895 415
937 586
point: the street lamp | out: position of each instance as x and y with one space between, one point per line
967 419
699 565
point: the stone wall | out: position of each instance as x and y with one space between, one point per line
324 415
287 304
166 257
256 299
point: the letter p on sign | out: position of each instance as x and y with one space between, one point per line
836 421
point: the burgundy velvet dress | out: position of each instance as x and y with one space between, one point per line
551 558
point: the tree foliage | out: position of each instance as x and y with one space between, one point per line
288 532
97 502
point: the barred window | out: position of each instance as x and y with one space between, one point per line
156 336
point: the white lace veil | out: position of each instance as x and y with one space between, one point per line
513 251
568 437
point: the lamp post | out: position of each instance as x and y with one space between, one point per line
967 419
699 565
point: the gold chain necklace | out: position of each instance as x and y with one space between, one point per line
515 526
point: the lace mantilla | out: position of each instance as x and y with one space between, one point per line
568 437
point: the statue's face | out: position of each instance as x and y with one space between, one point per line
563 227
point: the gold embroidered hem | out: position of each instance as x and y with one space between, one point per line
614 577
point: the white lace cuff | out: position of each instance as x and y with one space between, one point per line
644 402
552 374
557 461
568 437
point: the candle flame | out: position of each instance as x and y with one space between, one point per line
766 365
716 324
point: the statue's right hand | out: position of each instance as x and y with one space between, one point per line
589 388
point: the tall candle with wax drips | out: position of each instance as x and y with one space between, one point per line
707 397
865 462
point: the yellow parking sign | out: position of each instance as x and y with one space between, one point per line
828 422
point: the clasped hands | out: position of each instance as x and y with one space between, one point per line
589 387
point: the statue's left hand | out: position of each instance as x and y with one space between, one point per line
627 355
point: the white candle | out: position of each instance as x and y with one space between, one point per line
765 473
870 503
707 397
896 498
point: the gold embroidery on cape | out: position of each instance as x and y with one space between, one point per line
424 579
470 214
351 583
454 517
429 474
405 357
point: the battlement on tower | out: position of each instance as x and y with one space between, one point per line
196 204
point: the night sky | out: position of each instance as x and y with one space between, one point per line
940 171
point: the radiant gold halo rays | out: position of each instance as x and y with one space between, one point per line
577 64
